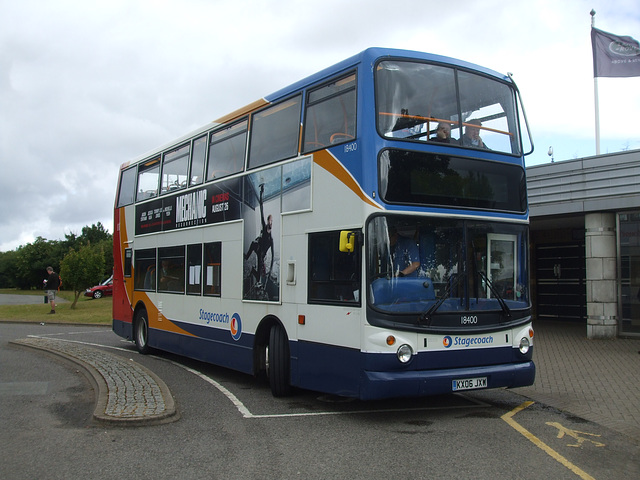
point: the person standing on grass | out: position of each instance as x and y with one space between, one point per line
51 285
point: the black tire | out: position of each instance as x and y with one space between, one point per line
279 362
97 294
141 332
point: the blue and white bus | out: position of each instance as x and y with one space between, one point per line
362 232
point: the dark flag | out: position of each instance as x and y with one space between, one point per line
614 56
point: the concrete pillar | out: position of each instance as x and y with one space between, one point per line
601 261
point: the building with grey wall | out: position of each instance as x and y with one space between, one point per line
585 242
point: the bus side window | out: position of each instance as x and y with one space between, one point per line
148 177
226 150
126 193
194 269
331 114
197 160
145 270
128 257
174 169
171 269
334 276
275 132
213 268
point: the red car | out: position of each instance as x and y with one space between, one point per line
105 288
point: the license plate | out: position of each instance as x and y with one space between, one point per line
469 383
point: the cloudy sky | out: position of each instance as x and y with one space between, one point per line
86 85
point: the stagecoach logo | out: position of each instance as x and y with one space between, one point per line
191 208
235 323
212 317
466 342
236 327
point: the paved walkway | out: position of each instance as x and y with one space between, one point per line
128 393
598 380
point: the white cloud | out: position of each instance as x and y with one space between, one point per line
86 86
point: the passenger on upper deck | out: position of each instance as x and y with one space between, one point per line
443 133
471 137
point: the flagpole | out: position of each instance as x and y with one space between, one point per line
595 94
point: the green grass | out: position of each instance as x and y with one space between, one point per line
88 311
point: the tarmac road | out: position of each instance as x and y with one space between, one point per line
231 426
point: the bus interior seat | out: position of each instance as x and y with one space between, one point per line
150 278
340 137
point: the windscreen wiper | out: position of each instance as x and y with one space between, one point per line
501 301
426 316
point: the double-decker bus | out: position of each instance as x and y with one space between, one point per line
362 232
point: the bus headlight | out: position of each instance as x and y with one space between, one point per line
404 353
524 345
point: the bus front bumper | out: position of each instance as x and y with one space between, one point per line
418 383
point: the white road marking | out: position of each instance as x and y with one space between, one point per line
244 411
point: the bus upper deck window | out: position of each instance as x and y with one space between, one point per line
148 178
126 193
331 114
226 150
174 169
414 99
275 132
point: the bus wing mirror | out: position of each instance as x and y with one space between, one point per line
348 241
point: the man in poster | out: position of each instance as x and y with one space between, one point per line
261 245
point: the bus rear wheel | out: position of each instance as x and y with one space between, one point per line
141 332
278 362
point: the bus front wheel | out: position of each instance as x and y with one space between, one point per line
141 332
278 362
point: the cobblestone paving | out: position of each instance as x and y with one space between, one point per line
132 392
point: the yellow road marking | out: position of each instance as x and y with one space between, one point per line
508 417
562 431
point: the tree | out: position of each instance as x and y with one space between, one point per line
25 267
94 234
81 269
8 266
107 248
33 260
